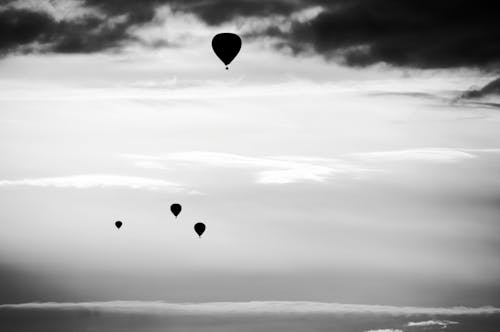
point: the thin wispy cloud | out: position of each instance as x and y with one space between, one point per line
294 169
87 181
440 155
216 89
268 170
440 323
386 330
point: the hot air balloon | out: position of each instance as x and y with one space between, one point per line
199 228
176 209
118 224
226 46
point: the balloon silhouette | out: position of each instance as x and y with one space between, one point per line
118 224
226 46
176 209
199 228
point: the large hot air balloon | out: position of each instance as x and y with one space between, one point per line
118 224
226 46
176 209
199 228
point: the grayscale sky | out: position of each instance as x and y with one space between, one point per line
319 178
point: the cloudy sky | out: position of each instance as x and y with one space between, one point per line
339 159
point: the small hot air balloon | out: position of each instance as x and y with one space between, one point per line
176 209
199 228
118 224
226 46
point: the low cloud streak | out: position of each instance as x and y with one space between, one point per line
269 170
441 323
95 181
255 307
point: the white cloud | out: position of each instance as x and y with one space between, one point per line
188 88
491 150
442 323
269 170
59 9
95 181
256 308
294 169
175 28
386 330
440 155
180 28
179 90
298 174
307 14
284 23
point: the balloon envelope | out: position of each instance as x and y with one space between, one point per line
226 46
199 228
176 209
118 224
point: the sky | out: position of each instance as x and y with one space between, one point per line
336 160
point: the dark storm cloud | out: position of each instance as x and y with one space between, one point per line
410 33
212 12
217 12
30 31
18 27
